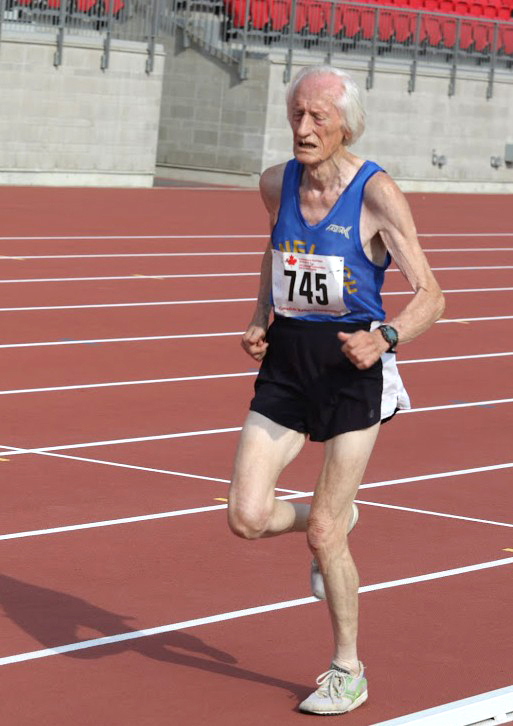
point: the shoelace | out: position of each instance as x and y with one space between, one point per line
332 683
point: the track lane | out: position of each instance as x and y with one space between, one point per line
139 360
143 289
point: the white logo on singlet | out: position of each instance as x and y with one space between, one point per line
340 230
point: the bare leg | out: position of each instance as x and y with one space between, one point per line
265 448
346 457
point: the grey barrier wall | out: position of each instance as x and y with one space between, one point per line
74 123
427 140
211 122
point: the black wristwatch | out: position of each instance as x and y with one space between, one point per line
390 335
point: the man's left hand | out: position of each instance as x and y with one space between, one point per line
362 348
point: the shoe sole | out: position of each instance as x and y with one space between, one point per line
359 701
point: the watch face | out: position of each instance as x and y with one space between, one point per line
390 334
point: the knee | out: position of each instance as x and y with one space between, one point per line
323 536
248 523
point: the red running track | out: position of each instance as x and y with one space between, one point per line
437 494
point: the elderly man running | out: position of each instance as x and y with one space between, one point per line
328 365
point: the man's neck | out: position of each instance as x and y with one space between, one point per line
333 174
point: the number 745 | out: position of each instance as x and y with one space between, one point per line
320 289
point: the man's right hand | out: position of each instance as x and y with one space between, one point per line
253 342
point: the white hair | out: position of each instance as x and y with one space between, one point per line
349 103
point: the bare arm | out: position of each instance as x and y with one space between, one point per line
253 341
387 213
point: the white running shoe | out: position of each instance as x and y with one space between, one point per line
338 692
316 581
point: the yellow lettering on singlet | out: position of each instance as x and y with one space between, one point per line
349 281
298 247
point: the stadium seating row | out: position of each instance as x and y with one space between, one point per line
98 7
340 20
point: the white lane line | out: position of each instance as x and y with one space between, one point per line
215 376
216 300
132 254
201 275
185 336
133 440
100 237
465 234
226 236
440 475
114 384
129 305
473 320
457 405
102 255
123 340
433 514
493 707
134 277
454 357
222 617
457 290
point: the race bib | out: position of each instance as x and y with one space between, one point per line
308 284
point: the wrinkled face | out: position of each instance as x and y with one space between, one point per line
317 124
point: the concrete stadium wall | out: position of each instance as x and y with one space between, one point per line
76 125
211 122
403 129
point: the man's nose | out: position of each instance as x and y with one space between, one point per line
305 125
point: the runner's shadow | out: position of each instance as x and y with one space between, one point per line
56 618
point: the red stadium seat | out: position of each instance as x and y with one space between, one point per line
466 35
300 19
386 25
404 26
336 20
446 6
490 11
461 8
506 39
431 33
278 14
117 6
367 20
316 17
237 11
85 6
259 14
351 20
483 36
476 10
448 28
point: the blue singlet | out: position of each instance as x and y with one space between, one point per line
338 234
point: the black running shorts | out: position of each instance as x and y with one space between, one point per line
307 384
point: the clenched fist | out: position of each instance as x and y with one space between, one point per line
363 348
253 342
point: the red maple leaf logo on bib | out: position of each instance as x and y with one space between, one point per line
292 260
